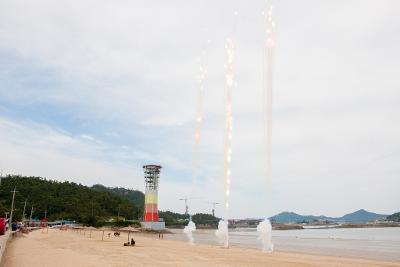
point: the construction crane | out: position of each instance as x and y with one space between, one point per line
213 207
186 199
186 205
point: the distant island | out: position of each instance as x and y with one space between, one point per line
99 205
359 216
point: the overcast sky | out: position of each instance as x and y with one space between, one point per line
92 90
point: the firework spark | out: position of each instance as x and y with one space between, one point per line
222 231
229 85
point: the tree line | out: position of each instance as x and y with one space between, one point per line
62 200
97 205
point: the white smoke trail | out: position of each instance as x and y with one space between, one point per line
188 230
222 233
264 230
268 84
197 135
199 114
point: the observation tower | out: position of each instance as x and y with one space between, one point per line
150 215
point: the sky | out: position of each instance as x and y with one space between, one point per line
92 90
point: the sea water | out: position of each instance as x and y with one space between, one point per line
369 243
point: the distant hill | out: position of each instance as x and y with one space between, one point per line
395 217
291 217
136 197
360 216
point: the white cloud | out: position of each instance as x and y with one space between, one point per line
34 149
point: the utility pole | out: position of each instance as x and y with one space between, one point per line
30 218
23 213
186 199
12 204
119 209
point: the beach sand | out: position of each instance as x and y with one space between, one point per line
68 248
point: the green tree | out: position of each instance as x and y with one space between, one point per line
62 200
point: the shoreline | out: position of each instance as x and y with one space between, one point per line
69 248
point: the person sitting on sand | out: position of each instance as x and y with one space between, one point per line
128 244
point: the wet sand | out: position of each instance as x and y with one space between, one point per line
68 248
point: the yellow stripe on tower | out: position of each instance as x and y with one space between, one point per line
151 198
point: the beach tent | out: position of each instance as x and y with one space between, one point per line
129 229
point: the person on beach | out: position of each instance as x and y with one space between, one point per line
130 244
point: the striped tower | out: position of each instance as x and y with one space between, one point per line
151 177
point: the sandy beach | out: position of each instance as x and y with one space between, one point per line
68 248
